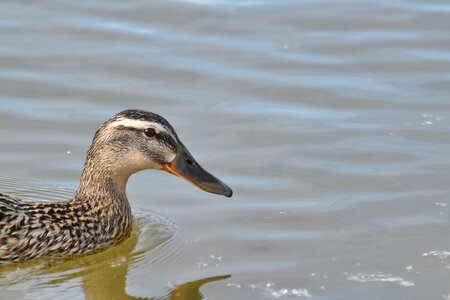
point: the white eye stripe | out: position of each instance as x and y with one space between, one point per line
139 124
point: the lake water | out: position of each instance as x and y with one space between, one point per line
329 119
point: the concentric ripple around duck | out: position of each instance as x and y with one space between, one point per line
155 238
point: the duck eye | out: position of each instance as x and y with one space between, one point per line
150 132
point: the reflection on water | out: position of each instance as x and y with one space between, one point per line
191 290
103 275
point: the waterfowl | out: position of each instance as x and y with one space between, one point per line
99 214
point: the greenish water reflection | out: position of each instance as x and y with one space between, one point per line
103 274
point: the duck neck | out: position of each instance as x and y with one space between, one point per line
102 179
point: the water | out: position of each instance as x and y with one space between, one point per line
330 120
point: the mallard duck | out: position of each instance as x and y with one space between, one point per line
99 214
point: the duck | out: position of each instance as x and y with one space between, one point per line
99 216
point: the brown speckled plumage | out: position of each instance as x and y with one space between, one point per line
99 215
30 229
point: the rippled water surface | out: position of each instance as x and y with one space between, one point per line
330 120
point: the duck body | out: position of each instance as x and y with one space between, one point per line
99 215
36 229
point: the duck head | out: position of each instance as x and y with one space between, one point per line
135 140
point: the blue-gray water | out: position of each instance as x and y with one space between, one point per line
330 120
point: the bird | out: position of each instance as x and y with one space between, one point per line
99 216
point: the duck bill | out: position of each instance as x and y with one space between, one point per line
185 166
